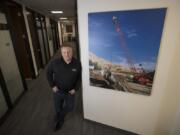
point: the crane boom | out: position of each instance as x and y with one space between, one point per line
123 43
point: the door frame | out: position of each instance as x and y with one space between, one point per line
45 28
36 34
39 16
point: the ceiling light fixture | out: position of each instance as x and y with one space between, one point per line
63 18
56 12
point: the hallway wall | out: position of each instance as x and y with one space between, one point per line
144 115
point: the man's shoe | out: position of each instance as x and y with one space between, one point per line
58 125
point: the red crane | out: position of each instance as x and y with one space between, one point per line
123 43
141 78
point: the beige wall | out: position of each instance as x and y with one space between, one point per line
59 32
169 115
145 115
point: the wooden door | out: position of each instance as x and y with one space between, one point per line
34 37
54 35
8 63
19 35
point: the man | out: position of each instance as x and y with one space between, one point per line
63 75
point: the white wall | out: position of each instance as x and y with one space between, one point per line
175 128
169 117
132 112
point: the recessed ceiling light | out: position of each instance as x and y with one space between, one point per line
63 18
56 12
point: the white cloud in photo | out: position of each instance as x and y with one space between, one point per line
131 32
100 43
119 60
96 24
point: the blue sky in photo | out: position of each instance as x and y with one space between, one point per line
142 30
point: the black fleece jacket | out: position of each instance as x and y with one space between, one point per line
64 76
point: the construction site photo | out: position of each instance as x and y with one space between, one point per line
122 52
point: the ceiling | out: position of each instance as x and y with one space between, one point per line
45 6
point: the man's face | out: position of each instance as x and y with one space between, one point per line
67 53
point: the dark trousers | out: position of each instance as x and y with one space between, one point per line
64 103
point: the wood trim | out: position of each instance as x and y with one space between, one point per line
34 37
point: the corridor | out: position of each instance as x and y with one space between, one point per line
34 114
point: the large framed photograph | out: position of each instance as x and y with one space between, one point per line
123 49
